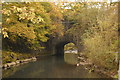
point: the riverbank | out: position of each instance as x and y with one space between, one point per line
95 68
18 62
10 59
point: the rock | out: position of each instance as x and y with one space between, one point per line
17 62
81 58
11 64
86 68
95 66
21 61
34 58
5 66
29 59
92 70
26 60
78 64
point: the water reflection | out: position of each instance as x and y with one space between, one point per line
51 67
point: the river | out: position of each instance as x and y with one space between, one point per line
51 67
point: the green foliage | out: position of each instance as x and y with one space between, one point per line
70 46
95 27
101 40
12 56
30 22
116 76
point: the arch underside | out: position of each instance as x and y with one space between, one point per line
59 48
56 45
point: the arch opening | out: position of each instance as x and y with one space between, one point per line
70 48
65 47
71 53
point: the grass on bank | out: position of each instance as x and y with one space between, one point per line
8 56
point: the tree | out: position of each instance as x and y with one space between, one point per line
30 23
95 27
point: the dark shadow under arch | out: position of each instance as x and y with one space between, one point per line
59 48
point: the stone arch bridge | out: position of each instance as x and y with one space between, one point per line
56 45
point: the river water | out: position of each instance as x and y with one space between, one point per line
51 67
